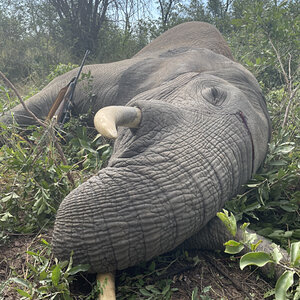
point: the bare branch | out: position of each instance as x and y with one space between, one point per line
56 143
9 84
287 110
280 62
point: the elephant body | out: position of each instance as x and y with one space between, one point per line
203 133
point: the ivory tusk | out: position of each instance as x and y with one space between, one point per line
108 119
107 285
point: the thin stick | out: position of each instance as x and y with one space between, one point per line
56 143
21 100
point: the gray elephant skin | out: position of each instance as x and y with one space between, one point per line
203 133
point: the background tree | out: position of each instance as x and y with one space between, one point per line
81 22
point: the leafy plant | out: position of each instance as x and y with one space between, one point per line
46 277
271 200
148 284
59 70
202 296
286 281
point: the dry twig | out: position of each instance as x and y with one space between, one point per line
288 81
41 123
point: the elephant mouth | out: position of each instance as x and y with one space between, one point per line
243 118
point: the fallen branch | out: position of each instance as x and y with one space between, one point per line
41 123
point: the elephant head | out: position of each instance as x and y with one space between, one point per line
202 131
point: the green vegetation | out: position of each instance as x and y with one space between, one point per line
35 42
260 258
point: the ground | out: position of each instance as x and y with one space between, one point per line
215 275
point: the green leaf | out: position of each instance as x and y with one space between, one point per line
295 254
233 247
254 246
276 254
21 281
255 258
152 266
145 293
43 275
56 275
269 293
6 216
24 294
228 220
284 282
79 268
45 242
166 289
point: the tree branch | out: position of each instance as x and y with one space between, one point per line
10 85
56 143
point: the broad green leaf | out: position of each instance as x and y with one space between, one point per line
79 268
284 282
228 220
255 258
56 275
295 254
233 247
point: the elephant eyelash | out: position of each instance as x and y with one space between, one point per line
214 95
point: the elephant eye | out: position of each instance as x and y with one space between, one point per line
214 95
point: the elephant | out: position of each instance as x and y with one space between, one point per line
191 127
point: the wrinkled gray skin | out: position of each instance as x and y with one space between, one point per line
204 132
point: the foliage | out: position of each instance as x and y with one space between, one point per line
59 70
33 182
271 200
285 282
256 29
147 281
46 277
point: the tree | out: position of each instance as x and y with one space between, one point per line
166 8
81 22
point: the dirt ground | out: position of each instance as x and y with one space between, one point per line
216 276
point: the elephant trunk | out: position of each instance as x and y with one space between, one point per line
151 198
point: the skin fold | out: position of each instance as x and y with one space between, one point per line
204 131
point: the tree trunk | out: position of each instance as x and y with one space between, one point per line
81 21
